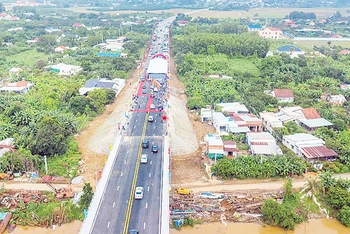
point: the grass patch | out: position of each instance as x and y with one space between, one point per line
244 65
311 205
67 164
312 43
29 57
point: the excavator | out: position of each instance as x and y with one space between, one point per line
61 192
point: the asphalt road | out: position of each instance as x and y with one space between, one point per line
116 210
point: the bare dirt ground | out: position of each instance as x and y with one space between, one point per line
94 141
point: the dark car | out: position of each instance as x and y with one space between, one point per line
144 91
133 231
155 148
145 144
144 86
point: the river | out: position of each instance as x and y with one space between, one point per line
313 226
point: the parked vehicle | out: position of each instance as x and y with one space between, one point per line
183 191
150 118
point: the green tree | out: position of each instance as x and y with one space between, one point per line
78 104
50 139
86 197
338 197
98 99
344 215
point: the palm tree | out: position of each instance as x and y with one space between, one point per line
313 185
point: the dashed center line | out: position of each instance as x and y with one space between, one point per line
146 205
150 162
113 204
149 175
144 225
118 188
148 189
121 174
124 161
108 224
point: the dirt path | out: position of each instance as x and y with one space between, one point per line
38 186
95 141
250 184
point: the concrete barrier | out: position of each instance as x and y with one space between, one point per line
165 192
100 189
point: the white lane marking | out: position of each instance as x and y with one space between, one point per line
146 205
134 126
154 127
125 162
118 188
137 115
108 224
121 174
149 175
144 225
148 189
154 134
113 204
127 151
136 120
155 120
150 162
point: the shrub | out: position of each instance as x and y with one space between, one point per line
344 215
338 197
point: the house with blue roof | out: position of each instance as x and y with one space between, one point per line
254 28
293 51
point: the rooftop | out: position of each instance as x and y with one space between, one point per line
283 93
318 152
213 139
311 113
260 136
288 49
235 107
158 65
220 117
301 137
314 123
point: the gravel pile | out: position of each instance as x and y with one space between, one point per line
182 136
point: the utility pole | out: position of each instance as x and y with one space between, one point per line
45 161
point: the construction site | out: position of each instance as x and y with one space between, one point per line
240 206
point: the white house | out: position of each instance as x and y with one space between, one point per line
233 108
206 114
66 70
270 121
308 146
292 51
91 84
270 33
17 87
283 95
220 122
215 146
61 49
262 143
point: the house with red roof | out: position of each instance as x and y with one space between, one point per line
182 22
61 49
344 52
283 95
77 25
271 33
17 87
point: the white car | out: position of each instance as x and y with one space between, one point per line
144 158
211 195
153 106
150 118
139 193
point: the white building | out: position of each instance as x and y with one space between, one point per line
262 143
220 122
214 145
308 146
271 33
270 121
17 87
66 70
233 108
206 114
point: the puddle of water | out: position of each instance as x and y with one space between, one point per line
313 226
68 228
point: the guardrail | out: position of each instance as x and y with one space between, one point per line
100 189
165 193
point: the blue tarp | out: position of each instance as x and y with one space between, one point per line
105 54
2 215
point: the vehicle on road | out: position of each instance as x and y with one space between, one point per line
211 195
145 144
144 158
155 148
133 231
144 87
153 106
139 193
150 118
144 91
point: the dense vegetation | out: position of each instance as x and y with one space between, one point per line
44 121
240 57
259 167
